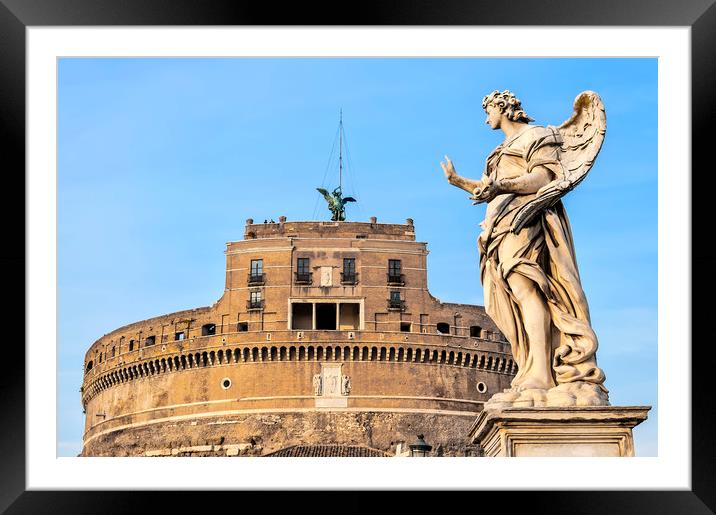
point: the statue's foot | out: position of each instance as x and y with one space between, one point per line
578 393
531 398
503 399
517 398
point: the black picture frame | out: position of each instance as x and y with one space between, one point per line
699 15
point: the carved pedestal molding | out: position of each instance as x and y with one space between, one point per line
551 432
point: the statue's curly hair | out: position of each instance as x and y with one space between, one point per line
509 104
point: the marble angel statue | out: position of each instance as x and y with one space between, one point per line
528 269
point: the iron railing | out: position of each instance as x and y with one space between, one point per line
396 304
396 279
257 278
254 304
349 278
304 277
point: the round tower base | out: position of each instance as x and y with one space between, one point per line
259 434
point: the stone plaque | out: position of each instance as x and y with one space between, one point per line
326 276
332 387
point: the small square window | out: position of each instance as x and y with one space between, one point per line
181 335
405 327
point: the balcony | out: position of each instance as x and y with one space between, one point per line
256 279
396 279
349 278
303 277
253 305
396 305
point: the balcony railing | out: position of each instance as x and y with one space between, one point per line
396 279
255 279
396 304
254 304
304 277
349 278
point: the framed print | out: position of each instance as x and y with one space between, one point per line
146 145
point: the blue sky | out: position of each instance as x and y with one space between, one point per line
161 161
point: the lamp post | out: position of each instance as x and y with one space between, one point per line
420 449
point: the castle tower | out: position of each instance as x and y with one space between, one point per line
326 336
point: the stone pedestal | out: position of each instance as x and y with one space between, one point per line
547 432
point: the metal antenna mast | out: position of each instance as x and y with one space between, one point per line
340 154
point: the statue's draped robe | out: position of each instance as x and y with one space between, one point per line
543 252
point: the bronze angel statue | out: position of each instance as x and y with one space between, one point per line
336 203
528 268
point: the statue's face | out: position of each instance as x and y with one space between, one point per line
494 116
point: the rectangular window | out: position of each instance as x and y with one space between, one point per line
255 300
394 271
349 270
180 335
149 341
303 273
303 265
394 267
326 316
242 327
131 345
405 327
349 266
256 276
302 315
395 302
349 317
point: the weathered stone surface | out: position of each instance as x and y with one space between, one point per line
260 434
565 431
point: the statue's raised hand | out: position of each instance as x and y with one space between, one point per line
449 170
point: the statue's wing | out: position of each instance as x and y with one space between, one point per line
349 199
582 135
326 195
